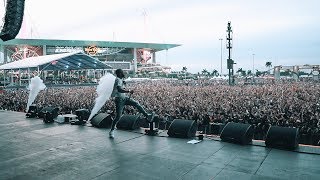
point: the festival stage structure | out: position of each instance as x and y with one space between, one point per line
31 149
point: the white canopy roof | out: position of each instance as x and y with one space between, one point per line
65 61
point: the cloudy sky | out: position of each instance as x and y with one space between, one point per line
281 31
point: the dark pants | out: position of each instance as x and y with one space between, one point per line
120 103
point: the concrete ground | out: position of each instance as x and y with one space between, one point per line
30 149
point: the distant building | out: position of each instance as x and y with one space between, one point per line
294 70
131 56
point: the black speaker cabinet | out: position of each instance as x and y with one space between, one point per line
32 111
237 133
282 137
102 120
49 113
33 108
129 122
50 109
12 19
83 114
217 128
44 109
182 128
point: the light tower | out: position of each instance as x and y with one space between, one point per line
230 62
253 67
221 57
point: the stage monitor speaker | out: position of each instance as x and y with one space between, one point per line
49 113
282 137
33 108
129 122
50 109
39 112
182 128
83 114
32 111
237 133
12 19
102 120
217 128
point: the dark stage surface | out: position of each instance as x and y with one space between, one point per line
30 149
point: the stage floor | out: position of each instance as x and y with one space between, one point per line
30 149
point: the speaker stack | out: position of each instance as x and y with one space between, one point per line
12 20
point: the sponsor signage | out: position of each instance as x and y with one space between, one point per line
90 50
63 49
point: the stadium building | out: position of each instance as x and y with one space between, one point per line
130 56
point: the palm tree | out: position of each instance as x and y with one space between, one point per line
249 72
184 69
268 65
243 73
239 70
215 72
258 73
204 72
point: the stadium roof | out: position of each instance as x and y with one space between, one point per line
53 42
65 61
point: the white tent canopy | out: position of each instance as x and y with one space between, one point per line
65 61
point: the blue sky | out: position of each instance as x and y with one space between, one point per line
281 31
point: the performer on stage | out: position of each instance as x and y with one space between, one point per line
121 99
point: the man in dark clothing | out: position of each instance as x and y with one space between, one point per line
121 99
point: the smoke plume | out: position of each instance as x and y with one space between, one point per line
104 91
35 86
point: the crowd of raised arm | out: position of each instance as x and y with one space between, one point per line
289 104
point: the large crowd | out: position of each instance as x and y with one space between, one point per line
288 104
